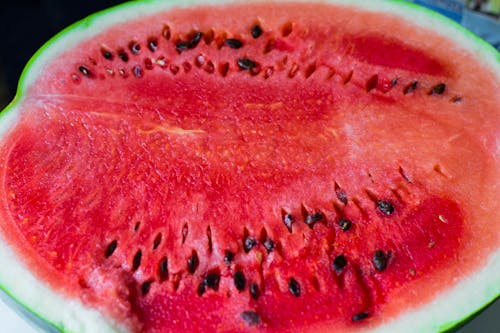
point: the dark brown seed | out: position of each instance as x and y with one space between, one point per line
138 71
269 245
394 81
345 224
249 243
246 64
254 290
166 32
184 232
84 70
163 269
339 263
152 44
110 249
136 262
379 260
250 317
182 46
288 220
438 89
123 56
256 31
145 287
341 195
136 226
371 83
294 287
193 262
228 257
106 54
313 218
201 288
134 47
212 280
209 238
234 43
411 87
195 39
385 207
360 316
239 280
224 69
157 241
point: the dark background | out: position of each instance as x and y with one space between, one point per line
25 25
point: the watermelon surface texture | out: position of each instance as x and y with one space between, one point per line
254 167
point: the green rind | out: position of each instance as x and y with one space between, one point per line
134 9
456 326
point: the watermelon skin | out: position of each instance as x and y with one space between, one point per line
35 133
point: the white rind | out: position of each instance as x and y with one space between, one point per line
444 312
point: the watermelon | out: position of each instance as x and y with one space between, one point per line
257 166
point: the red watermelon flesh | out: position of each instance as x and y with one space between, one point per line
292 167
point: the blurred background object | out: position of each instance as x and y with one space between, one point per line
28 24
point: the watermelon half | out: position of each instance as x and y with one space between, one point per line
254 166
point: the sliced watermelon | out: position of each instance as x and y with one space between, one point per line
274 167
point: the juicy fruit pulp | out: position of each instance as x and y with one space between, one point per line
229 169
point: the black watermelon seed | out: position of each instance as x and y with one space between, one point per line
250 317
345 224
106 54
138 71
84 70
136 262
339 263
193 262
294 287
152 44
182 46
234 43
201 289
195 39
212 280
239 280
228 257
269 245
137 225
110 249
134 47
394 81
163 269
385 207
146 286
288 220
311 219
256 31
246 64
379 260
411 87
341 195
157 241
123 56
254 290
360 316
438 89
249 243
